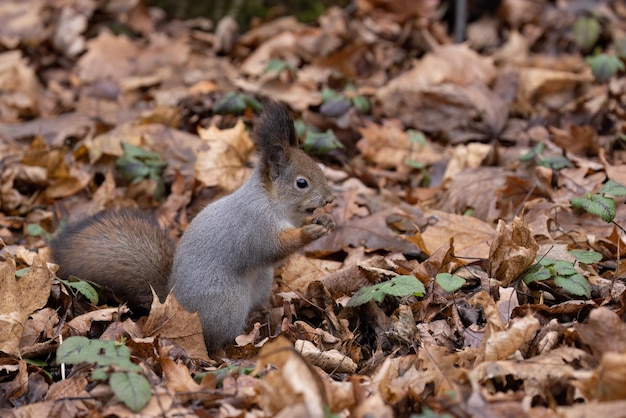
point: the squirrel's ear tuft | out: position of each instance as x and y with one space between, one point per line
274 126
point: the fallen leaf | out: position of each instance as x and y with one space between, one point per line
512 251
224 162
21 297
472 237
170 320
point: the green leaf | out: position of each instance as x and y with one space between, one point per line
417 137
253 103
100 373
301 128
321 142
361 103
556 163
586 257
82 287
159 189
77 350
133 389
231 103
596 204
536 273
131 168
576 284
546 261
534 152
22 272
329 94
586 32
415 164
620 48
564 268
133 151
277 65
449 282
398 286
604 66
35 230
613 188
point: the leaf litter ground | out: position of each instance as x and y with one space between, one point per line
477 265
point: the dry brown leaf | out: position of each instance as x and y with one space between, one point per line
249 338
495 323
318 336
20 88
295 382
611 384
68 34
170 320
178 378
397 11
298 95
404 325
466 157
501 345
41 323
603 332
475 190
108 57
280 46
471 236
72 387
578 139
22 21
388 146
533 378
81 324
20 298
552 87
457 64
593 409
331 361
372 232
224 162
512 251
298 271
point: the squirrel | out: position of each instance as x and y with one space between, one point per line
222 267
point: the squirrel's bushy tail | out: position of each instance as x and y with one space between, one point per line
125 250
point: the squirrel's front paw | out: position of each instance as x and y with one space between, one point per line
325 220
320 225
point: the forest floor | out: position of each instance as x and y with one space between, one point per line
477 266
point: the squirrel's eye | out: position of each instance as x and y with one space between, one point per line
302 183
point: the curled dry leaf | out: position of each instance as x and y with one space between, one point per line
82 323
532 377
332 361
178 377
170 320
294 381
502 344
20 298
513 250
